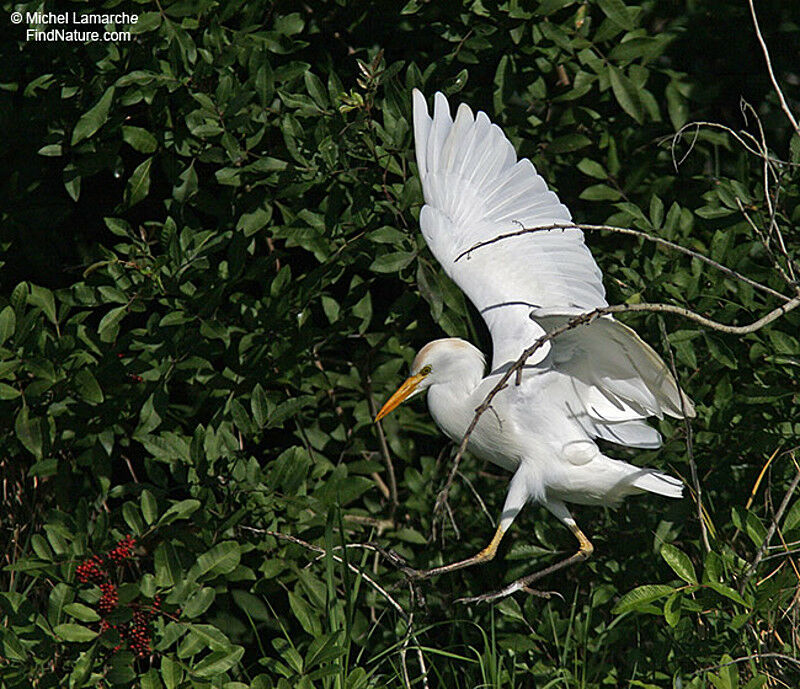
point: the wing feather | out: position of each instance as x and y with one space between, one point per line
475 189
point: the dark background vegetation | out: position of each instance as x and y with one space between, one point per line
213 275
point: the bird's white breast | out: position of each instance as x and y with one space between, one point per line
452 407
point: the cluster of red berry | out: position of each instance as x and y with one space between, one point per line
91 570
122 551
109 599
135 633
95 570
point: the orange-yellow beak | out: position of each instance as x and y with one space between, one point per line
403 393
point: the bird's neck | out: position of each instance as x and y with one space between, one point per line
452 403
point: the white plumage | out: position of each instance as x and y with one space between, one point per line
598 380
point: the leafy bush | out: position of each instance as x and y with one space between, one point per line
213 275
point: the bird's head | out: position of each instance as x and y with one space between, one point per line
441 361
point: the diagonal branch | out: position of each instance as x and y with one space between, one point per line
318 549
636 233
588 317
698 489
775 85
773 527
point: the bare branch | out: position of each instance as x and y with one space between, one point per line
477 497
773 527
775 85
698 491
636 233
387 457
765 243
751 146
590 316
318 549
692 316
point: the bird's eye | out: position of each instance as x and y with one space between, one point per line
425 370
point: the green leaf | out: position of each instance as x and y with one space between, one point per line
81 612
180 510
94 118
150 680
109 324
617 11
199 602
132 517
168 571
171 672
139 183
218 662
641 596
728 592
74 632
393 262
8 323
600 192
29 432
139 139
792 518
305 614
250 223
676 106
259 405
221 559
149 506
569 143
672 609
188 187
43 298
88 387
680 563
83 667
592 169
626 94
252 605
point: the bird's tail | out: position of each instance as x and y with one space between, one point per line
655 482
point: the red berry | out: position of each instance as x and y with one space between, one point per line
109 599
90 570
123 550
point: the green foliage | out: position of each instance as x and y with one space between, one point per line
237 184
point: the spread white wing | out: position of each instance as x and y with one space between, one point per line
475 190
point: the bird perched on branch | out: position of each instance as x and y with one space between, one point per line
597 380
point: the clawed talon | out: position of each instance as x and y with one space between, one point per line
507 591
547 595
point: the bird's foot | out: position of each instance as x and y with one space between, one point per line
518 585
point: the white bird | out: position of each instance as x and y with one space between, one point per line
596 381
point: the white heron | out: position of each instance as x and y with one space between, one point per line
596 381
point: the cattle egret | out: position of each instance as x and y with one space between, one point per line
596 381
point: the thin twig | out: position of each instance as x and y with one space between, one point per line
698 491
387 457
319 549
773 527
765 243
740 136
477 496
442 495
775 85
636 233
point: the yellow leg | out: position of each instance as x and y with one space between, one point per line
484 555
585 551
